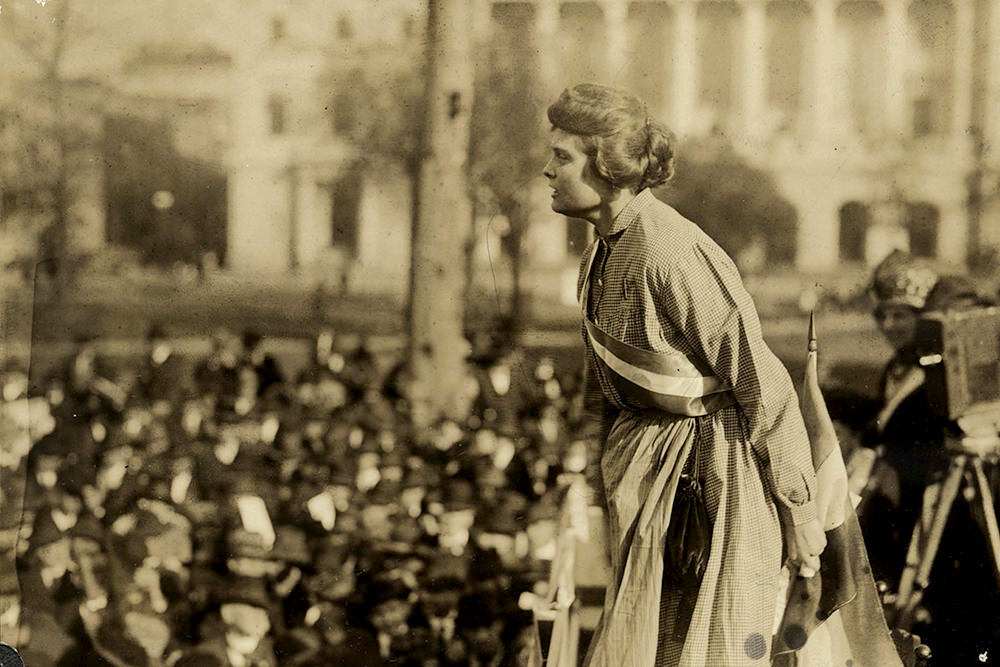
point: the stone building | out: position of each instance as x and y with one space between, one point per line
879 119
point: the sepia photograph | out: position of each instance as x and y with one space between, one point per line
499 333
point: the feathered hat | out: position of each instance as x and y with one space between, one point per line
901 280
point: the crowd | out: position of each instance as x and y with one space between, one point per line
219 512
222 512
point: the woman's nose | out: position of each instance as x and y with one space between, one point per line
547 171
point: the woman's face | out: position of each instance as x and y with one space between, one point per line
898 324
577 190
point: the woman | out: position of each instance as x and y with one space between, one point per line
676 366
909 437
905 431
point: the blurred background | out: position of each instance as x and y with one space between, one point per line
244 178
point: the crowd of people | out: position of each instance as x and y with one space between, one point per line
223 513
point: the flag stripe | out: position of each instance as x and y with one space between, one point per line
669 370
644 398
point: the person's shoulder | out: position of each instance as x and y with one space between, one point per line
677 238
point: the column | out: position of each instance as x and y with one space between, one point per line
898 42
754 67
825 75
962 73
315 227
953 231
546 34
991 108
481 12
686 92
616 40
257 225
818 230
547 230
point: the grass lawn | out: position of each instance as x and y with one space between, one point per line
122 311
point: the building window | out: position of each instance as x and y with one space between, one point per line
277 29
854 221
346 203
278 113
922 222
345 30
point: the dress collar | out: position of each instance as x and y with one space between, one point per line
631 212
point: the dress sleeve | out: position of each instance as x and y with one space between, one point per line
703 296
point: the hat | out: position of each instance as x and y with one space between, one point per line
252 338
460 494
386 589
290 545
44 531
88 527
407 531
476 610
199 659
245 544
901 280
8 581
446 573
51 444
385 493
332 552
156 331
243 590
343 471
504 519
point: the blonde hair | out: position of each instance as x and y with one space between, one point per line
626 147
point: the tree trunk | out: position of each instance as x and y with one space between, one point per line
62 251
518 223
437 347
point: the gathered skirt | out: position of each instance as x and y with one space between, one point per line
734 613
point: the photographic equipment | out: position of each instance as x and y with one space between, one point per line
960 352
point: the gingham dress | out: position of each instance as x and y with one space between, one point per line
658 283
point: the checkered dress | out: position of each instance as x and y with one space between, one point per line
658 283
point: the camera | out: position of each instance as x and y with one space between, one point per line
960 353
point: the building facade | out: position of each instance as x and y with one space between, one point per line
878 119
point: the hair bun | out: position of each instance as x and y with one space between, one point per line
661 156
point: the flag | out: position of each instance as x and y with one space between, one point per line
834 617
560 604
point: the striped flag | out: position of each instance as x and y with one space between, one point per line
834 617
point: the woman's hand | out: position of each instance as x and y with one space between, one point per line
805 544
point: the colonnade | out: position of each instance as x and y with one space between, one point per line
683 49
